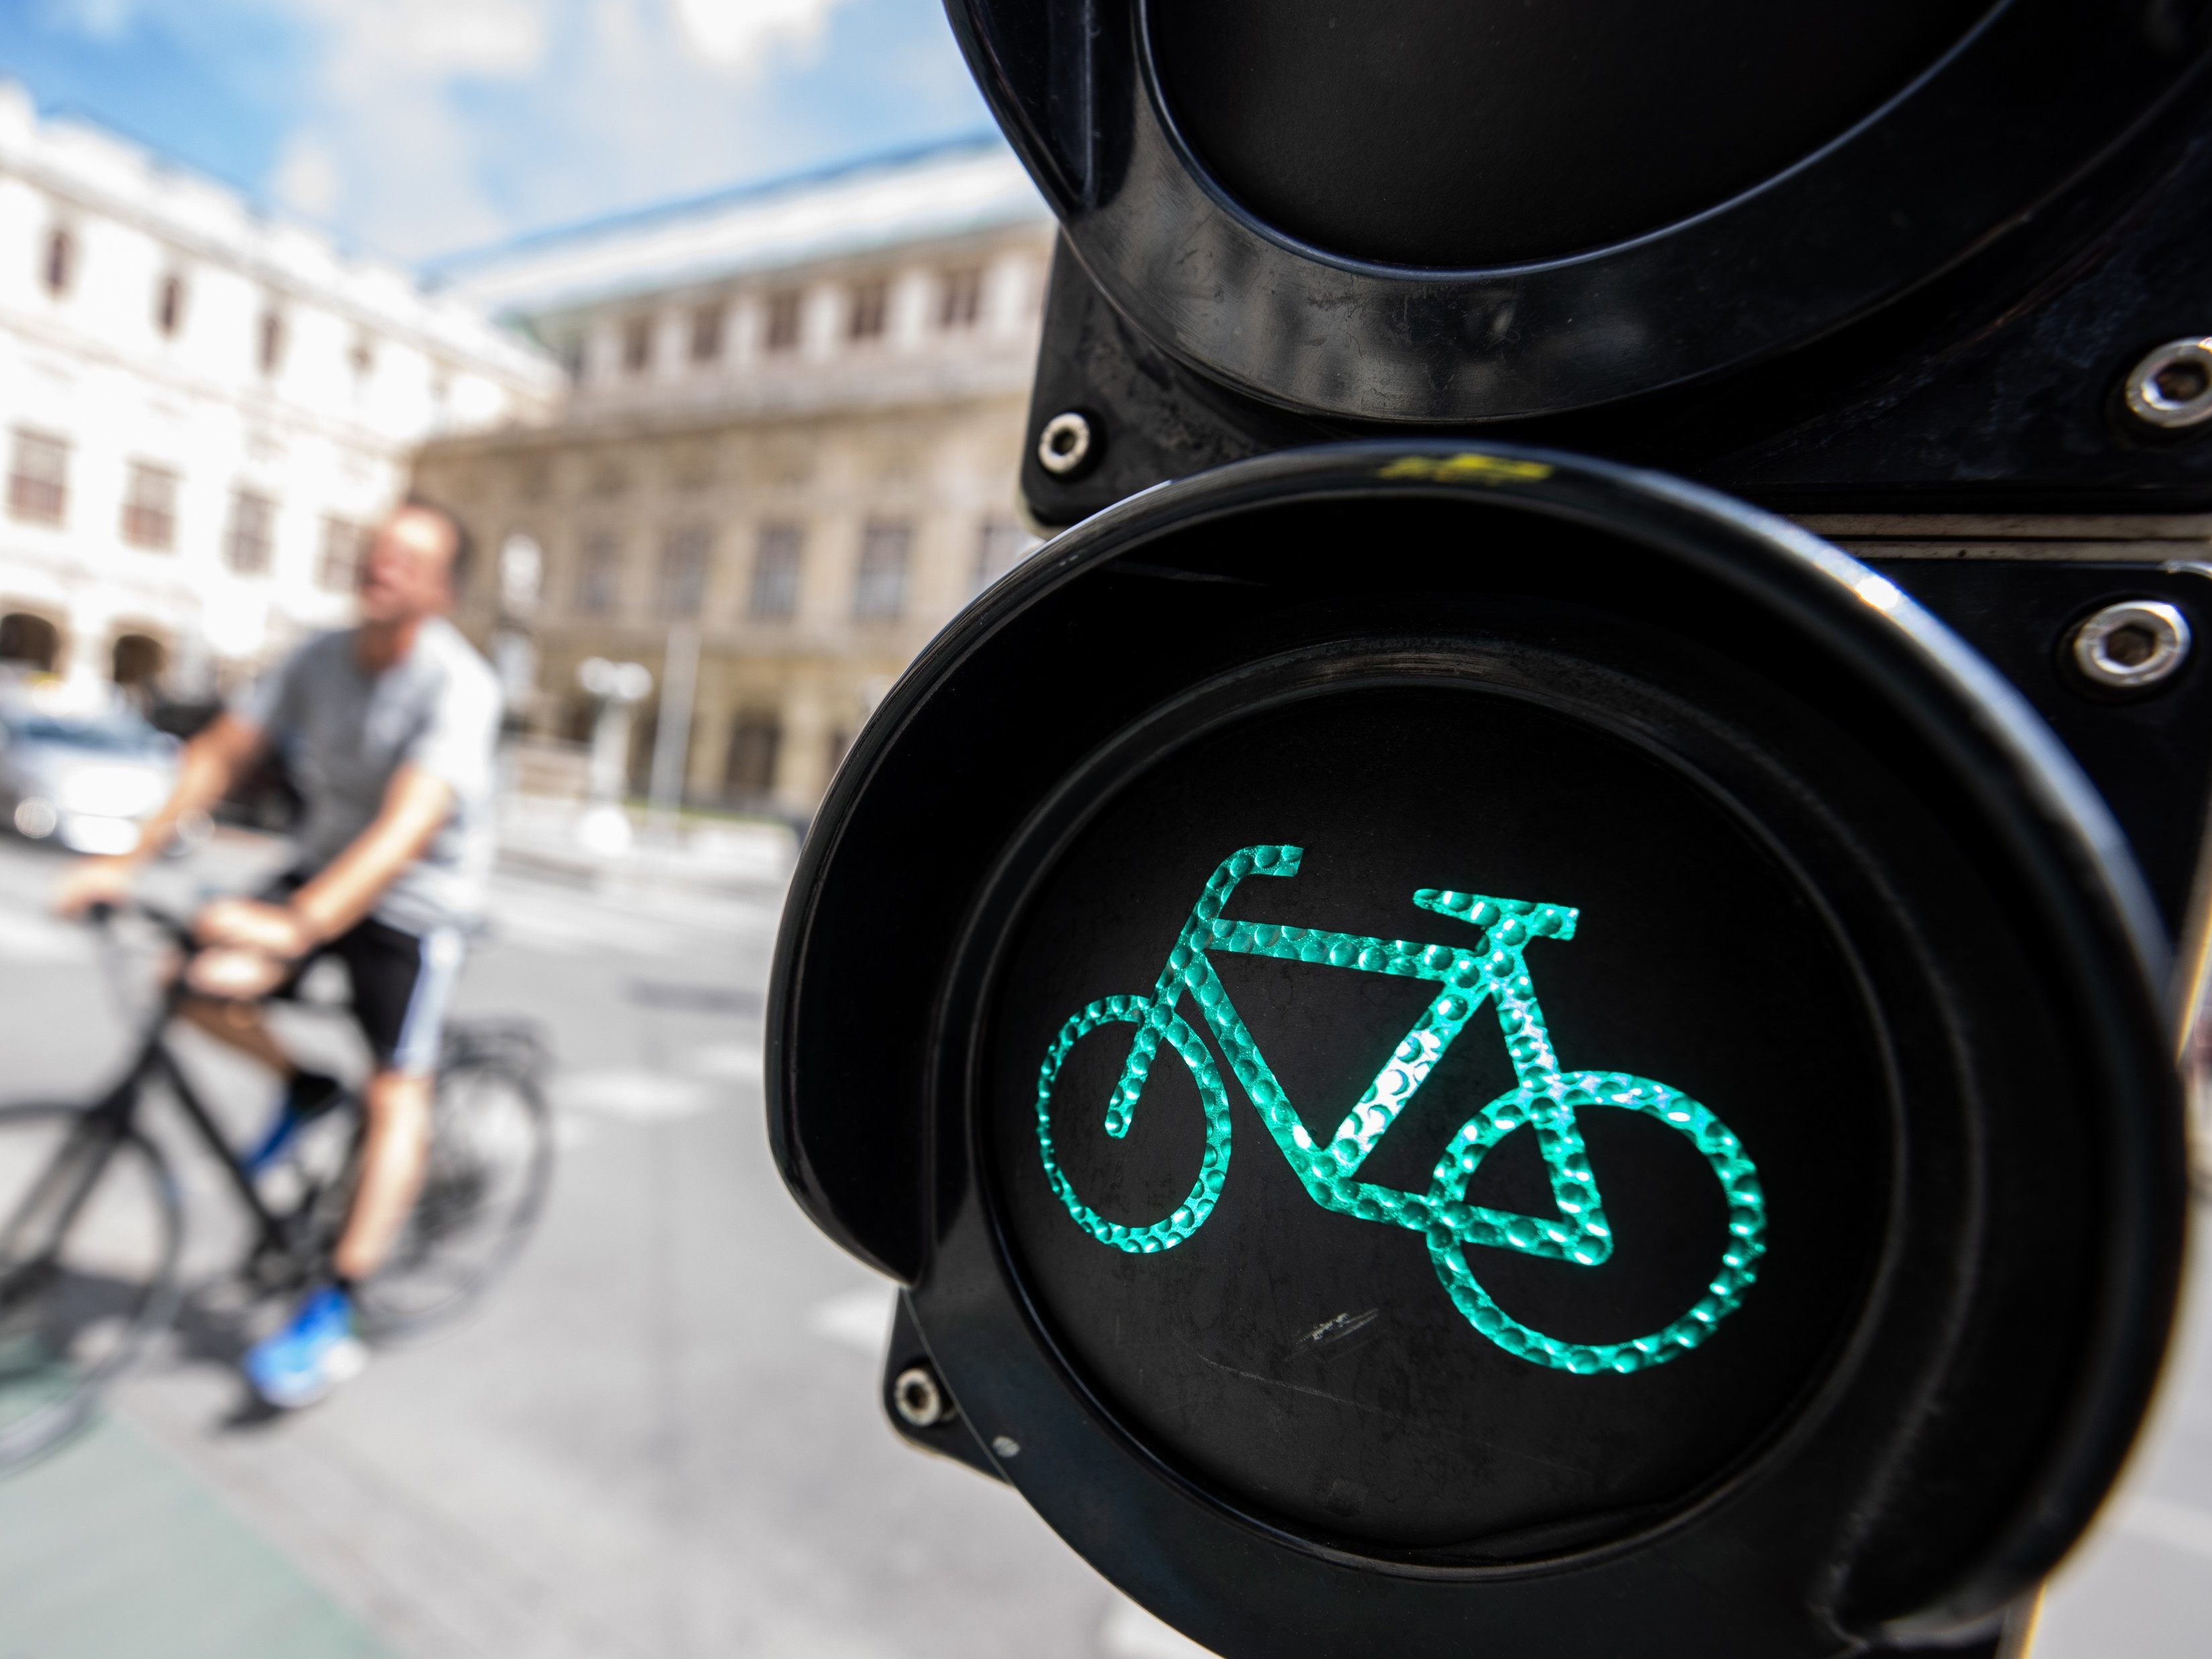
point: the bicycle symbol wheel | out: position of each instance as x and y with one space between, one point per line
1188 1216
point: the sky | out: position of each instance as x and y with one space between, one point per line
413 128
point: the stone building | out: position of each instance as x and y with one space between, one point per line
200 409
789 445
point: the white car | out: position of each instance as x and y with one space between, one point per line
86 780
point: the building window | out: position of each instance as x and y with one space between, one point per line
169 306
879 592
749 773
61 261
598 571
38 481
253 537
999 546
707 333
345 544
271 355
637 345
871 305
961 301
360 357
150 507
32 641
571 358
783 333
684 572
774 596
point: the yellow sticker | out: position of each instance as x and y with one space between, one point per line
1469 466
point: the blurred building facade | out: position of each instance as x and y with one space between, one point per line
201 410
787 454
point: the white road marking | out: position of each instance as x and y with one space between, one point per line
859 1318
1130 1633
635 1094
2181 1527
725 1062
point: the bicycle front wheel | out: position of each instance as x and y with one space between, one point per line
90 1225
484 1184
1448 1234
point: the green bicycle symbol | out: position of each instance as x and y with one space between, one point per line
1546 1099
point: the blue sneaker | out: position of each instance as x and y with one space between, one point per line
309 1095
317 1349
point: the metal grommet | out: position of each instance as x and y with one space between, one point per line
2132 645
920 1398
2172 387
1065 443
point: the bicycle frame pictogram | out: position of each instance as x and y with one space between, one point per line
1545 1100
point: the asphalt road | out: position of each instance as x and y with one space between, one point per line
662 1437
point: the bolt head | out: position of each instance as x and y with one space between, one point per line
2131 646
2171 387
1065 443
919 1397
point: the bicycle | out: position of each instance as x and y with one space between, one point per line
1545 1100
91 1218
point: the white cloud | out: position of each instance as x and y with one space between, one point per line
306 178
739 34
96 20
428 125
495 39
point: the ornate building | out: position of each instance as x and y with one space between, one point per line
200 410
788 449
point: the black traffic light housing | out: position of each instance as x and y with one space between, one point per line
1816 1316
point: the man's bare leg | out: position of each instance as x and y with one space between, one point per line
393 1151
238 1025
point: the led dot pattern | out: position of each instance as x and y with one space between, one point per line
1545 1100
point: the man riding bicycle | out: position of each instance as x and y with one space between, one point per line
388 729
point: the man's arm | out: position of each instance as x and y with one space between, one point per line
416 806
214 760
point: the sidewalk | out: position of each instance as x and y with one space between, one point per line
108 1548
544 835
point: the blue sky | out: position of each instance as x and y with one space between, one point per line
414 128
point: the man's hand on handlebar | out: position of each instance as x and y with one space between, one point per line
272 930
92 882
233 972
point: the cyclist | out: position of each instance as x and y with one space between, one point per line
388 729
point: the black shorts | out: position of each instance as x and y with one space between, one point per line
402 982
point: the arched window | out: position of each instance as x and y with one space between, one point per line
61 260
30 640
136 661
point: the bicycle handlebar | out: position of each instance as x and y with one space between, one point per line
103 914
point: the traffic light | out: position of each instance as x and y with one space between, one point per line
1463 1044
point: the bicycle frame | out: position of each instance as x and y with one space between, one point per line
1544 1099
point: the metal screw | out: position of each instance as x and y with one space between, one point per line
1065 443
2172 387
2132 645
920 1397
1006 1446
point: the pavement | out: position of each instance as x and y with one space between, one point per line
660 1437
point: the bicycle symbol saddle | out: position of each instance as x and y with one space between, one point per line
1545 1099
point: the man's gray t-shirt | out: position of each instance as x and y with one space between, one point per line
343 732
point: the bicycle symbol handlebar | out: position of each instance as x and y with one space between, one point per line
1545 1100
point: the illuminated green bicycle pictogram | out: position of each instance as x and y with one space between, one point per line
1545 1100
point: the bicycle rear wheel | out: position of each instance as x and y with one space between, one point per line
490 1169
90 1225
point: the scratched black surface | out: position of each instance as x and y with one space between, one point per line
1311 1365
